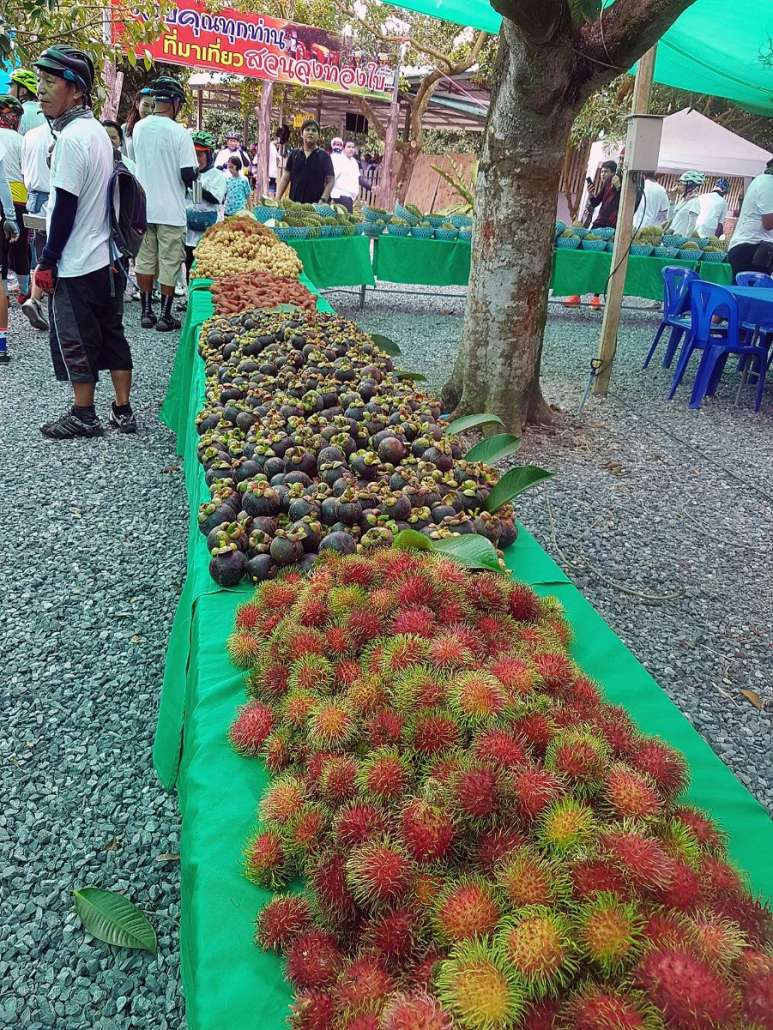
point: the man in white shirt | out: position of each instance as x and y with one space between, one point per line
232 148
713 210
86 305
166 166
34 166
653 206
346 187
754 227
24 86
15 256
688 206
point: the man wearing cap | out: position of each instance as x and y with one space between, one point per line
713 210
86 306
24 86
232 148
346 187
166 166
309 171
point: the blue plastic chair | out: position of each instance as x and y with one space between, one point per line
706 301
754 279
676 303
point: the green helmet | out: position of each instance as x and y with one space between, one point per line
202 138
168 90
26 78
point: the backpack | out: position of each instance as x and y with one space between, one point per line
127 213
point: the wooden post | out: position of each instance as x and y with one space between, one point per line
264 137
614 299
386 188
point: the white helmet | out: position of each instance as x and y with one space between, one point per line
693 179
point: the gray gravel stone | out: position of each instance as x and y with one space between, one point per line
92 560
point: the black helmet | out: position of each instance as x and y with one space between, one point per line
69 64
168 90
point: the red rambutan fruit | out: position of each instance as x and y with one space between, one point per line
522 603
271 681
282 920
346 673
337 781
630 794
706 832
601 1007
265 860
449 652
423 973
383 601
431 732
583 692
535 789
401 651
476 698
617 728
450 610
596 875
479 988
662 763
756 977
528 878
641 859
327 879
244 649
249 730
384 728
338 642
379 872
414 1010
314 764
362 985
313 960
362 1021
296 705
494 843
393 935
667 930
384 776
330 726
357 571
555 671
278 594
312 611
516 676
684 892
609 932
719 877
418 686
501 748
306 831
719 941
496 629
537 730
754 918
686 990
465 909
580 757
426 830
542 1016
283 799
489 591
278 751
313 1010
566 826
417 620
364 625
537 943
357 823
303 640
248 615
475 791
415 589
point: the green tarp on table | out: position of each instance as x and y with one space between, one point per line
401 259
227 980
587 271
718 272
343 261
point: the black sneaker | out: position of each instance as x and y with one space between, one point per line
70 425
5 357
148 320
33 310
167 323
123 422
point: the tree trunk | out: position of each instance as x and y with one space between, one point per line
409 155
532 109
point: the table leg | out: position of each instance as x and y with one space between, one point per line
363 288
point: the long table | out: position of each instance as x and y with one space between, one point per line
227 980
340 261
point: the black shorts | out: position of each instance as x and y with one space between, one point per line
741 258
16 256
87 327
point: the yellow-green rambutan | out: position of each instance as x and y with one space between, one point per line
312 672
479 989
609 932
283 799
244 649
529 878
629 794
330 726
476 699
266 861
566 827
536 942
418 686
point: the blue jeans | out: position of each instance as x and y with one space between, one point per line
36 201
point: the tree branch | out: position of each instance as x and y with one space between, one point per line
623 32
538 20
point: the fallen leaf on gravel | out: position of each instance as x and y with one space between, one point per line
168 856
171 468
753 698
136 639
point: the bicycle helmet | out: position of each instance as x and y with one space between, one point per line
692 179
234 134
26 78
168 90
72 65
203 140
722 186
9 102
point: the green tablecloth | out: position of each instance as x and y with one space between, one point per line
227 979
398 259
344 261
587 271
718 272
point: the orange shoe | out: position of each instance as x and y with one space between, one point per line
596 303
572 302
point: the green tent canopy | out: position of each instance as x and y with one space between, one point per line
716 47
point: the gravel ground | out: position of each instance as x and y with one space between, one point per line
101 526
673 505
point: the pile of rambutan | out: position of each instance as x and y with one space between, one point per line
485 843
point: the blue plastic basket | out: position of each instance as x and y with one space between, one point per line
666 252
282 234
641 249
373 228
579 230
263 213
714 256
422 232
690 255
398 230
357 230
447 234
199 218
605 233
407 216
436 220
371 214
466 235
671 239
594 244
326 231
324 209
568 242
338 230
460 221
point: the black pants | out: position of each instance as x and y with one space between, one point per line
188 261
741 258
16 255
87 326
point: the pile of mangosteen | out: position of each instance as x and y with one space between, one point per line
310 439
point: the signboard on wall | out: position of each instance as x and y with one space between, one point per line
268 48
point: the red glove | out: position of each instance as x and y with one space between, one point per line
45 278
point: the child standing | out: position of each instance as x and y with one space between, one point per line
237 189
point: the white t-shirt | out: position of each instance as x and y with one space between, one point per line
10 151
162 148
34 158
713 211
653 206
225 155
347 173
757 202
32 117
685 216
82 163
